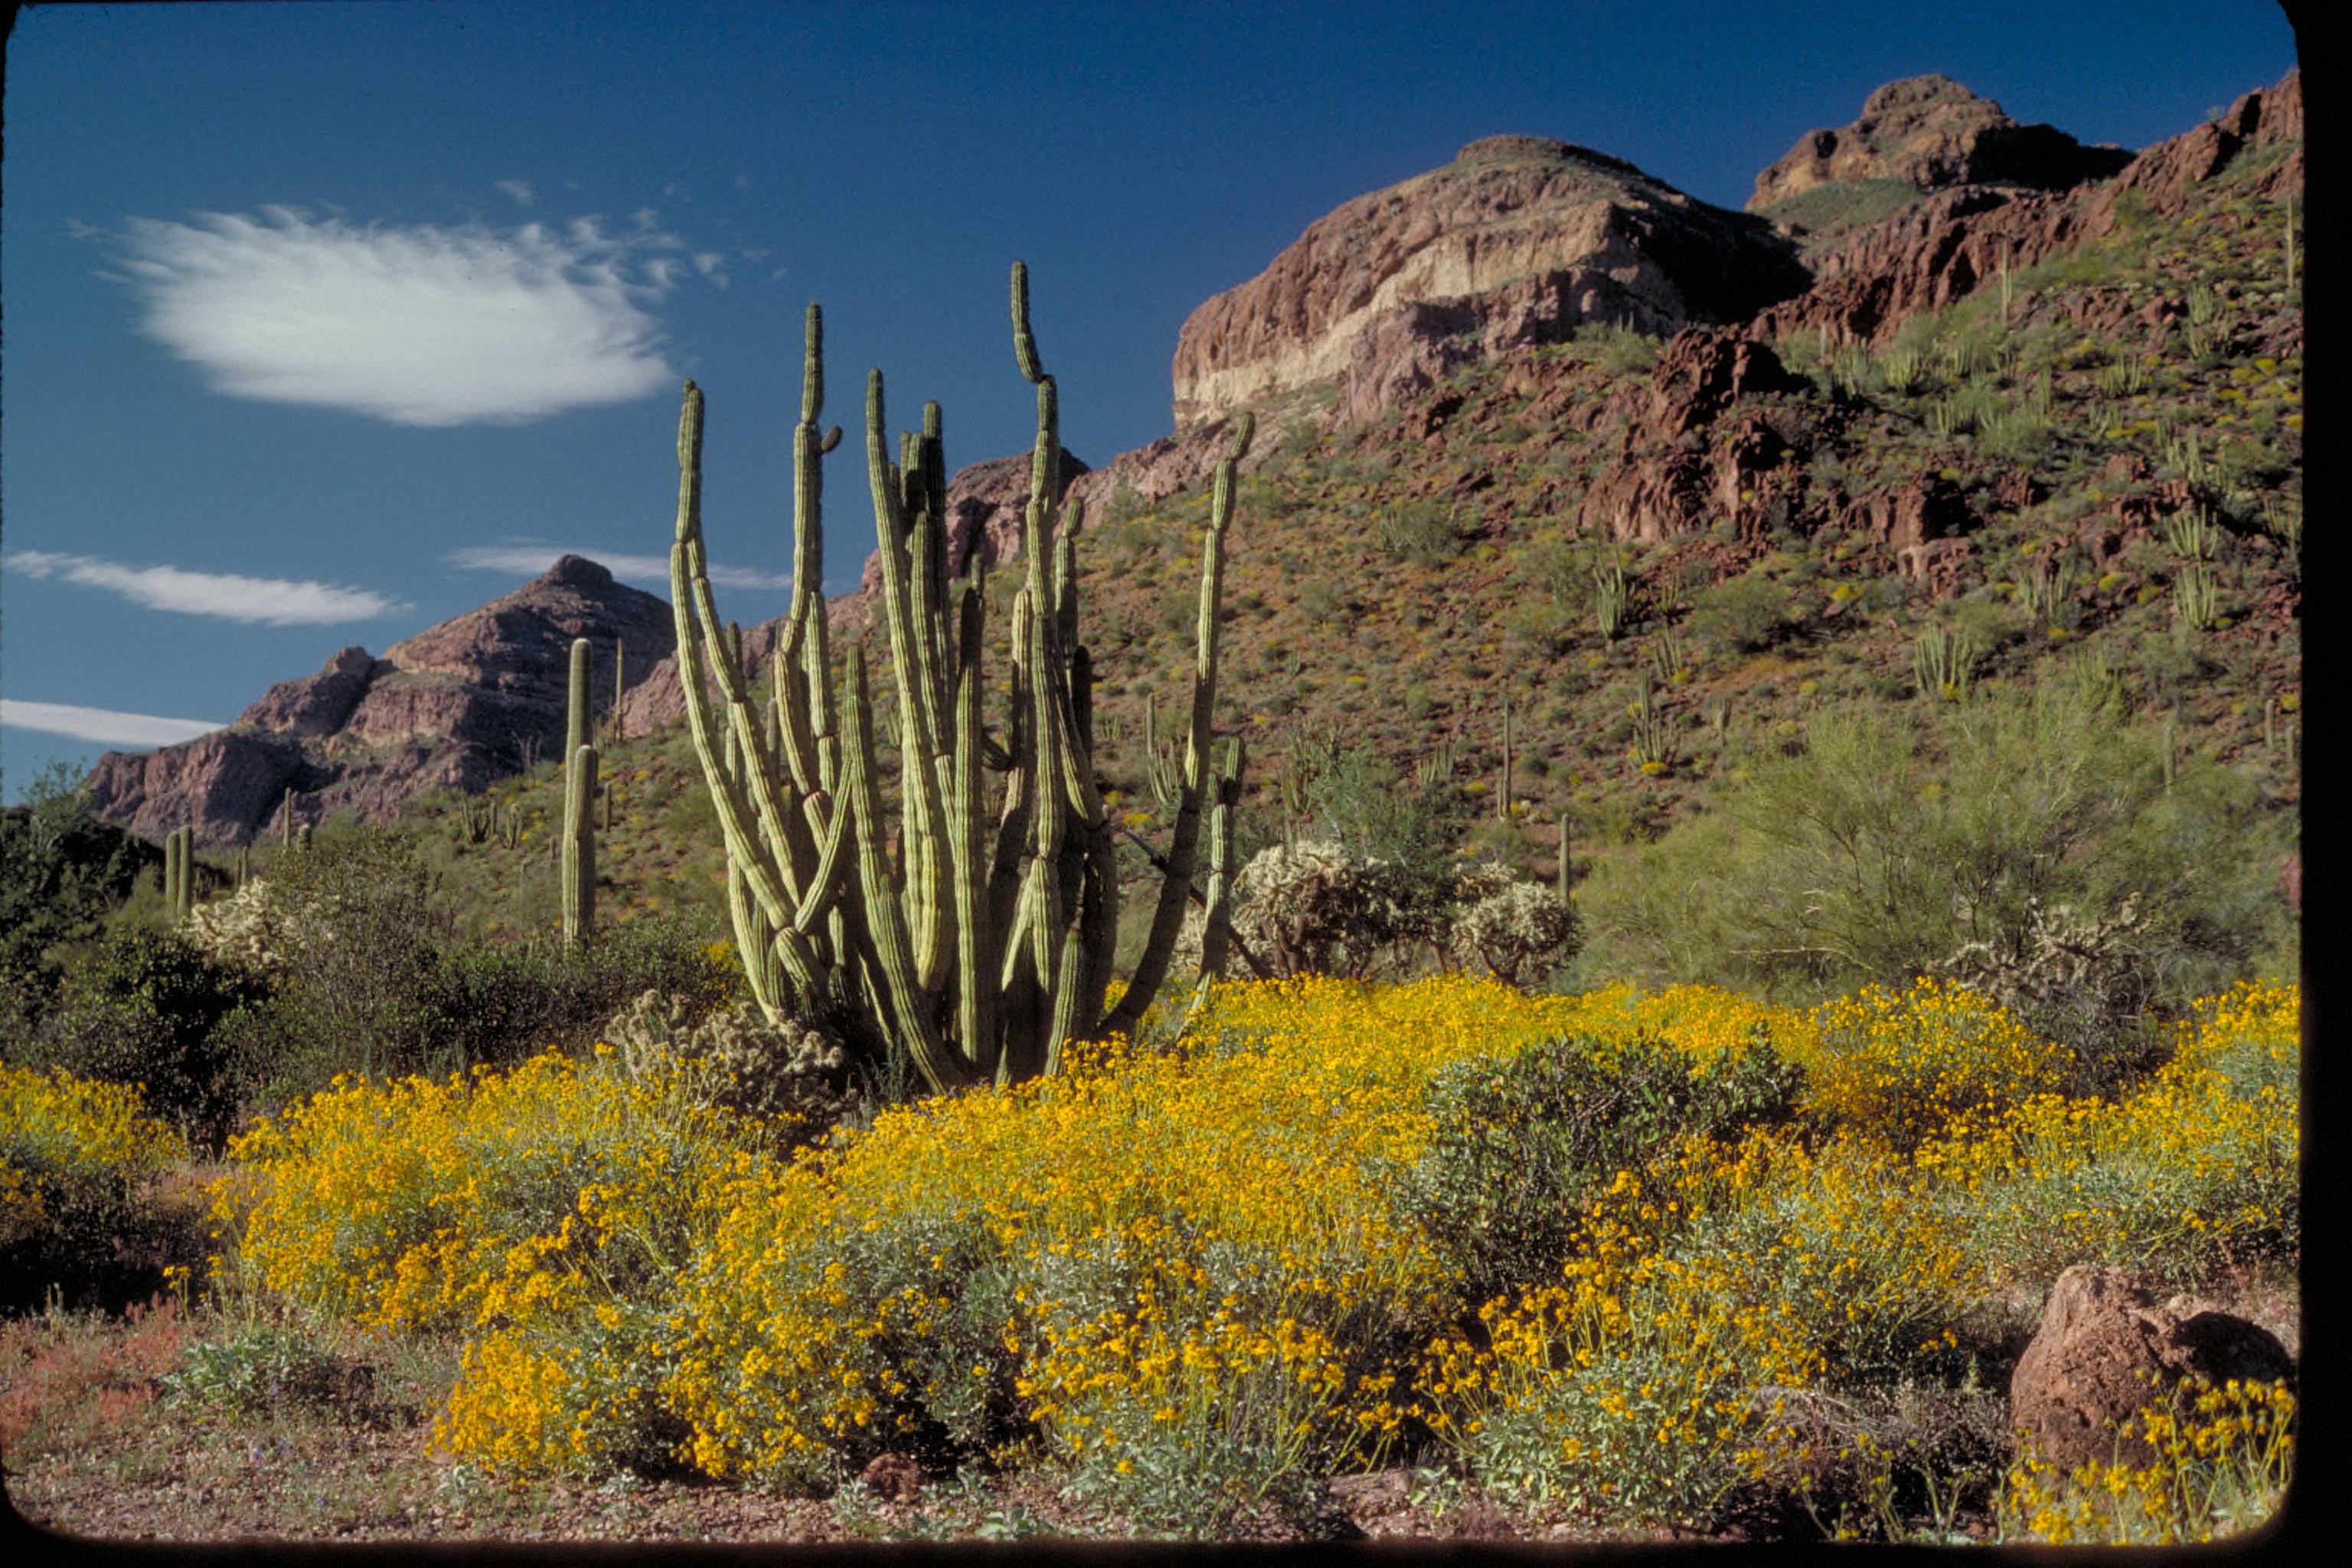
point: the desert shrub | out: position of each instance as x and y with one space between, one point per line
1739 615
1422 533
1885 846
2193 1172
543 1212
146 1009
79 1159
734 1058
358 941
1629 1394
1193 1256
1899 1065
263 1365
1196 1279
1519 931
1313 908
62 870
1357 798
1522 1144
371 979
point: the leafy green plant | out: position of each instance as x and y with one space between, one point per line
147 1008
1522 1142
1887 843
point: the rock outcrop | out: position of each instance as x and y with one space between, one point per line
2105 1350
1948 246
1931 134
1519 240
457 706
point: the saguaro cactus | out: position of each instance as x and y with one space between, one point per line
579 842
173 872
984 941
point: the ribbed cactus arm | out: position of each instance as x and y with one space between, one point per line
1176 884
743 843
907 1015
923 847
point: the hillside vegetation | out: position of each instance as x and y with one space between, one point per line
1935 925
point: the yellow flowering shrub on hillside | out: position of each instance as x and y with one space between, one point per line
2197 1164
536 1210
1901 1063
77 1157
2223 1456
1193 1276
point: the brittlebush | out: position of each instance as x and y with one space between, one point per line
1189 1276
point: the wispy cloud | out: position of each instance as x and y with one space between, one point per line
416 324
263 601
518 189
103 725
530 559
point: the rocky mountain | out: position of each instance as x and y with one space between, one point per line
472 699
1538 348
1518 241
1930 133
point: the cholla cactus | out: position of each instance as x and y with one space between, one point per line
2080 975
1313 908
251 927
1516 928
734 1057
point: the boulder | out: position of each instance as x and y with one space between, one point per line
2105 1350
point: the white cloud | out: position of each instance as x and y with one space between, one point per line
266 601
101 724
518 189
531 560
710 264
418 325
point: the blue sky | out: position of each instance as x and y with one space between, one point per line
326 322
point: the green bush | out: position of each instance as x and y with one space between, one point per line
61 872
1422 533
80 1213
1740 615
147 1009
1892 844
374 981
1522 1142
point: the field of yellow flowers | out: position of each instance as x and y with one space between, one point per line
1631 1259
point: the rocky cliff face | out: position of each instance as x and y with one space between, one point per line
1514 244
1518 241
457 706
1945 247
1931 134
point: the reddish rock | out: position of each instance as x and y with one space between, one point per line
1649 499
895 1478
2105 1350
1937 563
1517 241
1952 242
1700 373
1930 508
220 784
1930 132
457 706
316 705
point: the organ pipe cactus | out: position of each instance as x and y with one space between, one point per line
977 939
